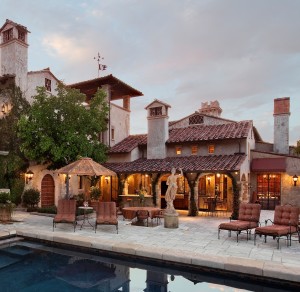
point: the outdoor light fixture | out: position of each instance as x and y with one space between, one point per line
218 175
106 179
28 176
208 180
295 179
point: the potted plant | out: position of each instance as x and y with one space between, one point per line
6 207
95 194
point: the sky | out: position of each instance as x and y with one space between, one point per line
183 52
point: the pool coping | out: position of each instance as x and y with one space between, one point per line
260 269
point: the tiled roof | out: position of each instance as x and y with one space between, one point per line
188 164
196 133
189 134
129 143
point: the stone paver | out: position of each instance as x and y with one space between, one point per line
194 242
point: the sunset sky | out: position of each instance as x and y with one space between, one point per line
239 52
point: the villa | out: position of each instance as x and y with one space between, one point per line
222 160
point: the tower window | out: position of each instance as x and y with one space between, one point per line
211 149
156 111
112 133
21 35
178 150
7 35
48 84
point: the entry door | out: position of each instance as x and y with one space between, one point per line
268 190
47 191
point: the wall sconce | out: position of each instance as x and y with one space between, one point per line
65 176
28 176
208 180
218 175
106 179
295 179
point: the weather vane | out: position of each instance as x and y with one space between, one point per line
101 67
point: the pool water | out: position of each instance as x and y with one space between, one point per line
30 266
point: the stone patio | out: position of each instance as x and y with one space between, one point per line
194 242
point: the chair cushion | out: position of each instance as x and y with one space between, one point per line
106 213
249 212
68 218
275 230
237 225
286 215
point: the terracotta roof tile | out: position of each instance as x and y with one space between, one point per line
210 132
188 164
189 134
129 143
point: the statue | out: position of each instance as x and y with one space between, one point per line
172 190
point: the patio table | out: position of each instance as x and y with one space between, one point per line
130 212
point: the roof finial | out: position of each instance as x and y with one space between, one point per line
101 67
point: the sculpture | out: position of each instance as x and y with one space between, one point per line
172 190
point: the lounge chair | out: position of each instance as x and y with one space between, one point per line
248 219
106 214
66 212
286 220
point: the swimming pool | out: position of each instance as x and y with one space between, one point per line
32 266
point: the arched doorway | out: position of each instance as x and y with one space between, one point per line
47 191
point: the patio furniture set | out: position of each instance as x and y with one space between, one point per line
106 214
284 225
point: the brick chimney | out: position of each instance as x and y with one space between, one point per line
281 125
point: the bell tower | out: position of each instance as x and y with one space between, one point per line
14 52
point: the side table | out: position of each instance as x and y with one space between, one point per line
86 216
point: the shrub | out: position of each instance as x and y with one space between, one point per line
31 197
16 191
47 210
4 198
79 199
95 193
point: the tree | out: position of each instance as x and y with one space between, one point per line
12 165
59 128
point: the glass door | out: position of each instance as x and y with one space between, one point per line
268 190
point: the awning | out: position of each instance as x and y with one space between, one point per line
268 164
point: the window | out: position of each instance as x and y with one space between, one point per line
7 35
196 119
48 84
178 150
156 111
211 149
21 35
113 133
194 149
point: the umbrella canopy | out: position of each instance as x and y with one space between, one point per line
86 166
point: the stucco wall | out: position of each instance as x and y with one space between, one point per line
120 122
38 79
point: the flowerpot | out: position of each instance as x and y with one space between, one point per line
5 214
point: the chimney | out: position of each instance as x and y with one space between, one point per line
211 109
281 125
158 129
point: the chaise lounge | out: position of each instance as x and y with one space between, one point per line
248 219
66 212
286 223
106 214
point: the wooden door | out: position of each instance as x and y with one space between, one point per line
47 191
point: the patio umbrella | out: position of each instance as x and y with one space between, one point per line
84 166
